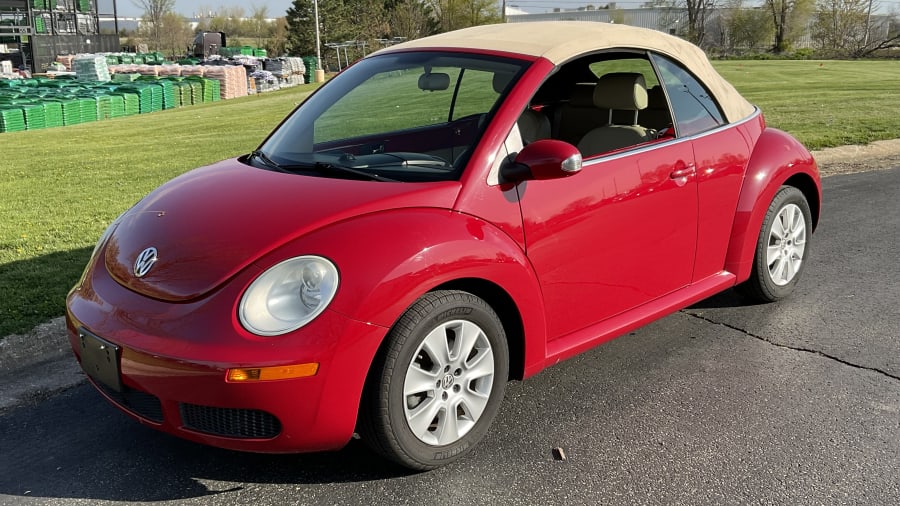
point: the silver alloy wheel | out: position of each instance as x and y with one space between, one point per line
787 243
448 382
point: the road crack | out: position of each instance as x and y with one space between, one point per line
794 348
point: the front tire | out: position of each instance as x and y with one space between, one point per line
781 249
438 383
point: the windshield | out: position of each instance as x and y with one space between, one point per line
398 117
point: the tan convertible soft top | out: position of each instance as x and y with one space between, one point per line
560 41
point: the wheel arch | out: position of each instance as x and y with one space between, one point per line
807 186
778 159
505 307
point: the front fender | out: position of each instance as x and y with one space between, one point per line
777 158
389 259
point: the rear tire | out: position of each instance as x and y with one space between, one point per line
437 383
781 249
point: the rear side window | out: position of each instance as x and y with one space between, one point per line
694 109
636 65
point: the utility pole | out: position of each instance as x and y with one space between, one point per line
868 20
320 72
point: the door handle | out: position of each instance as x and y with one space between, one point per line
683 171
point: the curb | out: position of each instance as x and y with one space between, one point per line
35 365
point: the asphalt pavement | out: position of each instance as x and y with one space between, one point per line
722 403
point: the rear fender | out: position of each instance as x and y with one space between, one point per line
777 159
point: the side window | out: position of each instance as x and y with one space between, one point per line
476 94
634 65
694 109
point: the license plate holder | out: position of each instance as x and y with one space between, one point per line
100 360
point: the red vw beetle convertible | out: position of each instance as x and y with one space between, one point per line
441 217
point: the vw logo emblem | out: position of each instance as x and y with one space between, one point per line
447 381
145 261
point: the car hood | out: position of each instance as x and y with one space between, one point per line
212 222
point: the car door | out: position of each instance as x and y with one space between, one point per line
620 233
721 153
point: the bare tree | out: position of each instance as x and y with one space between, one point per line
154 10
456 14
698 11
840 26
260 27
277 43
410 19
789 18
176 34
746 28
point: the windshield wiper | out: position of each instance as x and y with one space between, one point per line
319 166
330 167
264 158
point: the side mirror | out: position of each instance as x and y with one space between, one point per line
544 159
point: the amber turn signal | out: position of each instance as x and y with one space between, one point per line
280 372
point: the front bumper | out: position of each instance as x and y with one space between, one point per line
172 361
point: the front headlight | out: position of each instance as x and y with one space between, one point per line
288 295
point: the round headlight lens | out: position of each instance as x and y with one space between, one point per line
288 295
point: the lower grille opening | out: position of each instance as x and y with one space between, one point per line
230 422
140 403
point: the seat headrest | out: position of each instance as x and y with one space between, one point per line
621 91
582 95
533 126
501 81
656 98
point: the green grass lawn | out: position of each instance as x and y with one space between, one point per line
60 187
823 103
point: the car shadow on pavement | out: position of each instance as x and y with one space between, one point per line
76 446
728 298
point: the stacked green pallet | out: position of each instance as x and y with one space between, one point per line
133 99
132 103
88 109
125 78
84 5
35 117
155 58
196 91
168 94
156 96
116 106
71 111
12 118
40 26
126 58
102 105
112 59
40 4
210 88
215 93
183 90
143 94
53 113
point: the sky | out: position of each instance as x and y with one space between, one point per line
277 8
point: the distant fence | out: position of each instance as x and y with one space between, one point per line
45 48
